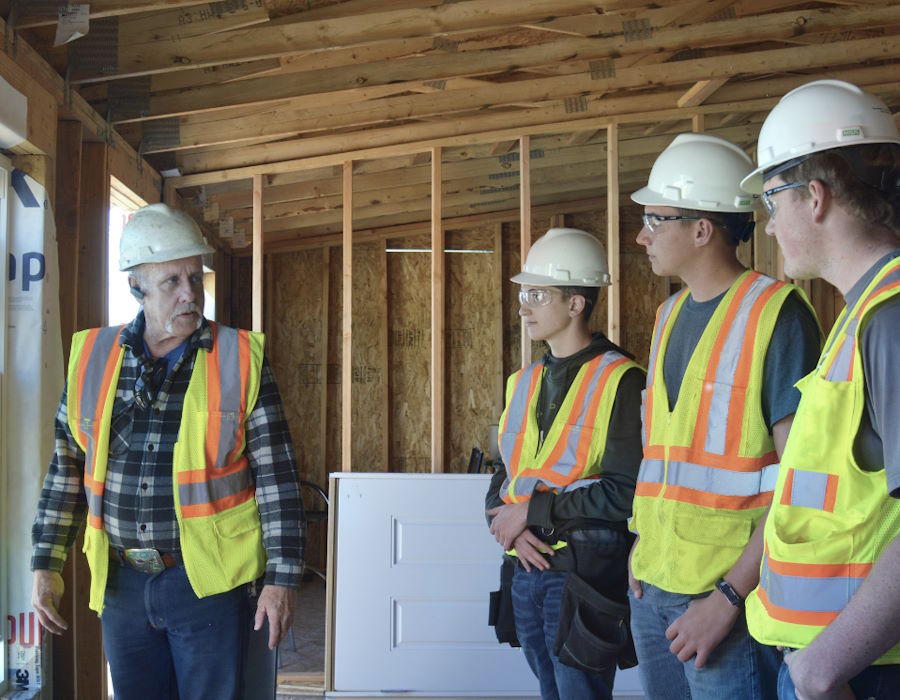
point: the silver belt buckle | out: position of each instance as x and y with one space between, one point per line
146 560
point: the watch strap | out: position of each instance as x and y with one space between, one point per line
728 591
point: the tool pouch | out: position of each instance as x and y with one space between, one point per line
500 614
593 629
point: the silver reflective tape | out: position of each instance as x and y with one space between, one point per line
722 482
652 471
808 489
214 489
809 594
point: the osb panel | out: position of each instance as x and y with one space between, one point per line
409 349
472 366
595 222
295 351
241 291
641 294
369 383
512 325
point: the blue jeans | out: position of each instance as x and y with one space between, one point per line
164 642
874 683
536 600
739 668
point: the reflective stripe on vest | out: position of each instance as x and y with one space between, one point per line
215 487
97 370
663 316
223 389
564 465
809 594
711 471
830 520
840 366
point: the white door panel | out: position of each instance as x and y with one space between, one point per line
414 567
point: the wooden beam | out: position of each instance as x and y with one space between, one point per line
324 357
41 116
525 228
68 219
257 283
385 362
147 56
30 71
698 123
613 292
39 16
499 326
346 321
320 151
418 228
437 315
343 83
700 91
92 311
551 92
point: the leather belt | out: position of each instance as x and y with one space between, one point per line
149 561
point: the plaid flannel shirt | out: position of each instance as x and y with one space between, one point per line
138 501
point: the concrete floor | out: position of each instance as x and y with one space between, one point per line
306 656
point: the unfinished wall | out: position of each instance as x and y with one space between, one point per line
391 354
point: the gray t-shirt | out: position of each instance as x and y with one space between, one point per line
877 443
792 354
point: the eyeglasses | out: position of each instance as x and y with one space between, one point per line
652 221
769 203
536 296
149 383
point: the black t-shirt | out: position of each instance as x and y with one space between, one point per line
791 355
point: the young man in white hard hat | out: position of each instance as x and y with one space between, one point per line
569 438
172 448
829 591
725 354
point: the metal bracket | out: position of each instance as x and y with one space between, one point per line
140 157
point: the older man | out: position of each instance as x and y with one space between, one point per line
172 444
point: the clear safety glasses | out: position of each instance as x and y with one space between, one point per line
769 203
536 296
652 221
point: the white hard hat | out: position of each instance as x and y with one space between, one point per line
158 233
815 117
565 257
699 171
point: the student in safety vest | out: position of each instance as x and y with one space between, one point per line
725 354
829 174
173 450
569 438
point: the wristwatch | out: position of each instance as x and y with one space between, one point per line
728 591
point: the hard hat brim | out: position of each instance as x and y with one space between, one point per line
545 281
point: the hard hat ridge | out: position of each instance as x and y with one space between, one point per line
565 257
818 116
158 233
699 172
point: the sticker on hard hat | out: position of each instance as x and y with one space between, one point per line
851 132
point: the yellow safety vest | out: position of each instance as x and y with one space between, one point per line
710 464
570 456
830 520
214 493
